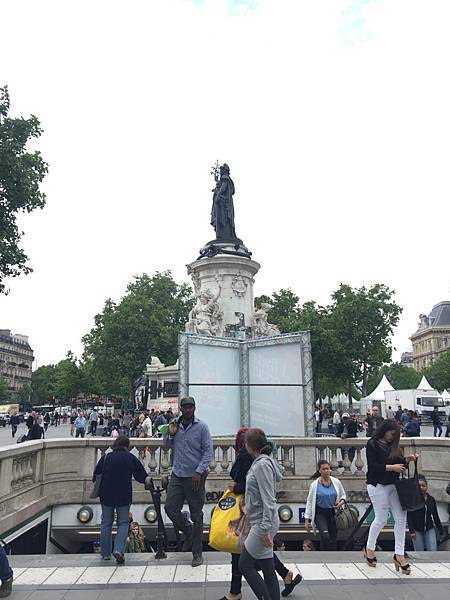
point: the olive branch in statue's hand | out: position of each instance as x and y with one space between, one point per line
215 171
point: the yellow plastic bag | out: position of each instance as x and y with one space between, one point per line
221 537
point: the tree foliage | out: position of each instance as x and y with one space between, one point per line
364 320
400 376
21 173
4 391
438 374
146 321
43 384
350 338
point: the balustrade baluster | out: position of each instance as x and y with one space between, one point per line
334 463
152 463
346 460
213 462
287 463
164 460
225 464
359 463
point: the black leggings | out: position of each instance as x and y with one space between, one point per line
264 589
236 575
325 521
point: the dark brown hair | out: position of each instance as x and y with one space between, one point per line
256 439
380 432
121 442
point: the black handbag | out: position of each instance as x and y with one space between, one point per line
409 494
346 516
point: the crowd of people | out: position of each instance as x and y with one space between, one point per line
255 476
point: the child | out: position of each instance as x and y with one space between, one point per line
423 522
308 546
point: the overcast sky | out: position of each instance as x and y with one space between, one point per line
333 116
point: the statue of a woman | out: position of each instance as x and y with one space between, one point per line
222 213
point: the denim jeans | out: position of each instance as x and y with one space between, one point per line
5 570
120 541
436 429
425 540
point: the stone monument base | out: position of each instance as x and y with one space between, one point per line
230 279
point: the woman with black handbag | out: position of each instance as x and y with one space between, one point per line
385 463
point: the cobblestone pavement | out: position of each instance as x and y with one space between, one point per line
331 575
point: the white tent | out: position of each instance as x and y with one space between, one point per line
424 385
378 392
445 395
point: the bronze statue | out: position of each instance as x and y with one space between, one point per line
222 212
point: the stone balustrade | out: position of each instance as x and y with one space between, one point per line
37 475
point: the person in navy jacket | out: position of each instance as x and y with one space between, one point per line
117 469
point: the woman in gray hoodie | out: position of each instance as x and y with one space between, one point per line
260 502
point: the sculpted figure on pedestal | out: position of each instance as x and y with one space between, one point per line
207 315
222 212
260 326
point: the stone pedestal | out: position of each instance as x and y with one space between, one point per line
226 282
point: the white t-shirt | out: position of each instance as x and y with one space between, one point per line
147 426
336 418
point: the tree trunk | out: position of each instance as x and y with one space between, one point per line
364 385
350 399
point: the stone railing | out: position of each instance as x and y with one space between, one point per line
37 475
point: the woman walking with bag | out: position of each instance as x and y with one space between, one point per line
326 494
385 463
260 501
239 470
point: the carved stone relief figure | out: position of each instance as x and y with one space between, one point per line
260 325
239 286
206 318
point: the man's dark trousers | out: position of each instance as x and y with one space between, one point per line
179 491
5 570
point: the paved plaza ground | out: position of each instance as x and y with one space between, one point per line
63 431
327 576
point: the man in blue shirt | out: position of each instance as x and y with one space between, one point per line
80 425
192 452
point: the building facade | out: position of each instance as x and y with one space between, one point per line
407 359
158 387
432 337
16 360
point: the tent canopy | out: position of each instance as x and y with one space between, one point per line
424 385
378 392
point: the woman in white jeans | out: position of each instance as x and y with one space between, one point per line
385 462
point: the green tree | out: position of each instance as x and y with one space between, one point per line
439 373
146 321
350 338
21 173
363 321
25 393
68 378
43 384
4 391
285 309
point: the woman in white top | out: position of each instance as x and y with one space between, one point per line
326 494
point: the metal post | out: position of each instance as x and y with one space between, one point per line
161 537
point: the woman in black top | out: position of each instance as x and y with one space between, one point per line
385 462
424 522
238 474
